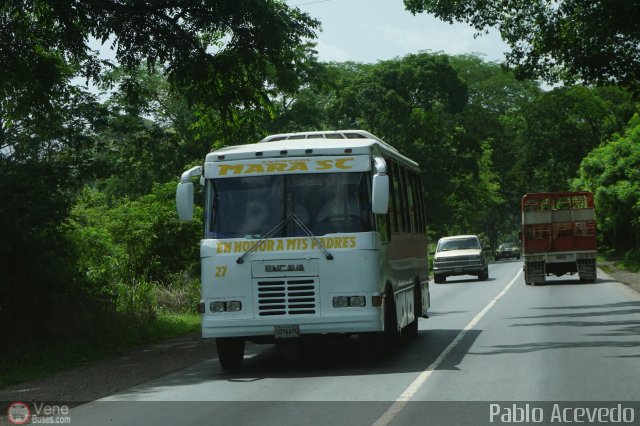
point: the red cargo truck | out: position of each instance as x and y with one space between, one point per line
558 235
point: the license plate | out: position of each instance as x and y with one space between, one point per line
286 331
560 256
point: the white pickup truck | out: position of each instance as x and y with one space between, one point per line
460 255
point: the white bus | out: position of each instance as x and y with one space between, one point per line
307 235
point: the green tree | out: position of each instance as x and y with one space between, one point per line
566 40
612 173
412 103
219 57
44 157
135 240
220 52
560 128
496 101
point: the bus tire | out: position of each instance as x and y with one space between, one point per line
230 352
412 328
391 332
439 279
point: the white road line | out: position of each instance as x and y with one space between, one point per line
406 396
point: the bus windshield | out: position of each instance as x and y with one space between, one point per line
248 207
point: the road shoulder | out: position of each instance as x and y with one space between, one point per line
631 279
97 380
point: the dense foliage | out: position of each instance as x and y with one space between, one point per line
596 41
76 168
90 241
612 172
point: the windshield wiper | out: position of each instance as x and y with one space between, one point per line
277 228
307 231
273 230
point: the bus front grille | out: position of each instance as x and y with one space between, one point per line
287 296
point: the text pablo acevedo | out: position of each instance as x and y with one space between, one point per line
557 413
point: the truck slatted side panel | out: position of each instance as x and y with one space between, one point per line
560 221
559 235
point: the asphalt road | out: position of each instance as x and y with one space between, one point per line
490 352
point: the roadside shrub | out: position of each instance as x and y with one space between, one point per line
43 295
181 296
632 260
136 301
137 252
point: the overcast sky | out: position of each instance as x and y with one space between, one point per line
373 30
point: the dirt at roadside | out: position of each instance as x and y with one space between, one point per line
97 380
104 378
632 279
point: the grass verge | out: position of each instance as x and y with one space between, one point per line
42 360
629 261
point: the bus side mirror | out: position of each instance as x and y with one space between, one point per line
184 193
184 201
380 194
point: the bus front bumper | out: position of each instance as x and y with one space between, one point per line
364 322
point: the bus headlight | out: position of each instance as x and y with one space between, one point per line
217 307
229 306
349 301
358 301
234 306
340 302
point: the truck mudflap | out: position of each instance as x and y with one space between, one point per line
587 270
534 272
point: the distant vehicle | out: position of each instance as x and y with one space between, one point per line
459 255
558 235
308 236
507 251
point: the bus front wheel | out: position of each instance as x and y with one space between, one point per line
230 352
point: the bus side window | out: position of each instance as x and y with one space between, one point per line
422 215
404 201
393 202
363 195
399 208
413 201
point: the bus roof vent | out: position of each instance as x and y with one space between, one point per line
333 134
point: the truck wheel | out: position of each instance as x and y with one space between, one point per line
484 275
230 352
